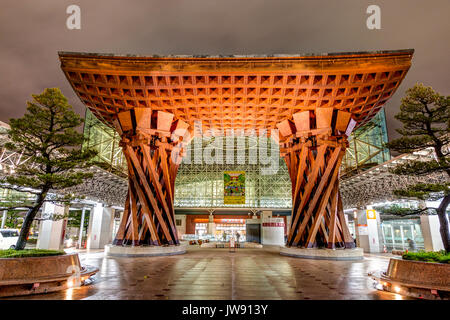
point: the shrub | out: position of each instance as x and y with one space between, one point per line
11 253
431 256
32 241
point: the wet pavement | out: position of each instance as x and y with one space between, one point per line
209 273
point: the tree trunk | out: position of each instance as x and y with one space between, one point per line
28 220
443 221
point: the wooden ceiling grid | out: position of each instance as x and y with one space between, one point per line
237 99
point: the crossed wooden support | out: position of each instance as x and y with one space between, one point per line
152 145
313 146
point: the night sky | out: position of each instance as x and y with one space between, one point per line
32 32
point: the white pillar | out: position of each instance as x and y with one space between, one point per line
431 233
5 214
101 225
211 225
265 215
272 231
367 230
52 232
180 224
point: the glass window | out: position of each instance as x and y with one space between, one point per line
397 232
398 237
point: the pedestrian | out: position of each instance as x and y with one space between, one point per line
354 239
411 245
237 237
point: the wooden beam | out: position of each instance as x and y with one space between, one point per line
313 230
160 194
143 180
318 193
332 223
308 188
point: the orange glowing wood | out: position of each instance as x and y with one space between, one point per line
147 149
315 218
236 92
314 101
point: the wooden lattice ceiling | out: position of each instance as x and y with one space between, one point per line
236 92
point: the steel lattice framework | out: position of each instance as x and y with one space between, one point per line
366 147
378 184
201 185
104 186
105 141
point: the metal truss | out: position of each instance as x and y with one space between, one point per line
104 186
202 186
378 184
366 148
8 160
105 141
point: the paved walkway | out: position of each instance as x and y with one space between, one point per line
205 273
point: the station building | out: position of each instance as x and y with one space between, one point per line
264 214
199 188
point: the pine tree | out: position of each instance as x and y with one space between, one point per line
47 134
425 115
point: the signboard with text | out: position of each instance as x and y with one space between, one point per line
234 187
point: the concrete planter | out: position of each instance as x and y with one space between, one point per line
418 279
31 275
227 245
323 254
144 251
418 273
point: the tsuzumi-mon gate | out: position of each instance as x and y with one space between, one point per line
314 101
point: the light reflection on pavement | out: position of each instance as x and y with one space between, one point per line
208 274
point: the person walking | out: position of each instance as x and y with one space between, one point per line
411 245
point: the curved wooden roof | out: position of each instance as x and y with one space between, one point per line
240 92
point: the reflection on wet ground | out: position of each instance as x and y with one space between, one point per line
205 273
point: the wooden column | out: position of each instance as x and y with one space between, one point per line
313 146
150 141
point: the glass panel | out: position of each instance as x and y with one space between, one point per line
398 243
388 239
351 227
366 147
418 237
407 233
396 232
201 185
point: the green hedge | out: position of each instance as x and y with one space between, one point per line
432 256
11 253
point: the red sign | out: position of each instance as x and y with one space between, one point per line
273 224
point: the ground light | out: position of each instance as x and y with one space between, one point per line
403 290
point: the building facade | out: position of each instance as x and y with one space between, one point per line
199 187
